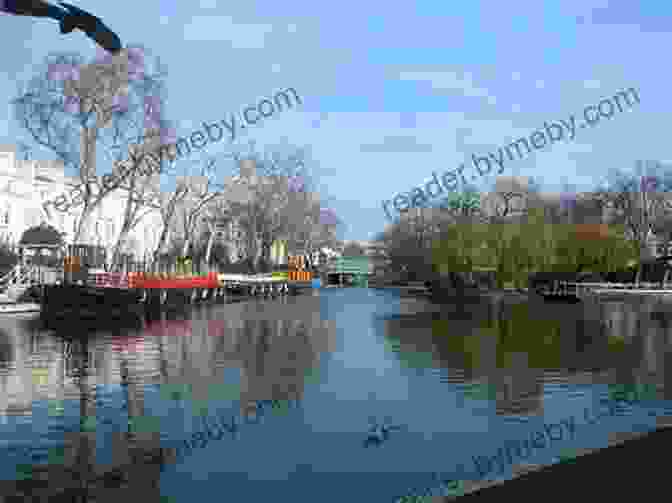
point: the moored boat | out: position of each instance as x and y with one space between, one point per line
19 307
67 299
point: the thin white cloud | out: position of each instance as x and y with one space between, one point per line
447 81
396 144
223 28
592 84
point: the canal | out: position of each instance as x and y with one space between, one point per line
280 399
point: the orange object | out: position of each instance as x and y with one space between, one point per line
591 231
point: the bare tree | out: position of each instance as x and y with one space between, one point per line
24 149
638 200
168 204
215 214
353 249
272 198
141 200
199 195
71 108
275 200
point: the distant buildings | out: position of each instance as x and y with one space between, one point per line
26 185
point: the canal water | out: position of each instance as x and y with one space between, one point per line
280 399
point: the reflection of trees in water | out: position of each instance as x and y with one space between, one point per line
414 356
275 355
511 348
6 350
76 476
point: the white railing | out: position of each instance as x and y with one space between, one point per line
20 275
642 287
20 279
11 275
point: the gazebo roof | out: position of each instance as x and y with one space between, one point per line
42 235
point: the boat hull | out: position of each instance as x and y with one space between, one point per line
561 298
59 301
19 307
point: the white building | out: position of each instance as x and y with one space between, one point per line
26 185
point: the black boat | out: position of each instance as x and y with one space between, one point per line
552 286
560 297
87 301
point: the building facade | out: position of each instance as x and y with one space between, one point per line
25 187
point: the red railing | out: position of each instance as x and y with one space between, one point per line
111 280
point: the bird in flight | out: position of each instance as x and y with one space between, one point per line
94 28
34 8
69 18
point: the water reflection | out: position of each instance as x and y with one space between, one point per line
205 393
92 395
517 352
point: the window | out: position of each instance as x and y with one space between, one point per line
5 215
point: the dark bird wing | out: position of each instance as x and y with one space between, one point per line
94 28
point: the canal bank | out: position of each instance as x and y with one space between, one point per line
630 469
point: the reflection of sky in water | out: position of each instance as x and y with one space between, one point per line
315 451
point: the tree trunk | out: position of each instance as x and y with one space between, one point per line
210 244
159 246
257 254
87 170
123 235
82 222
208 249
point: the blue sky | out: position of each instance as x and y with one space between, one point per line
392 91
